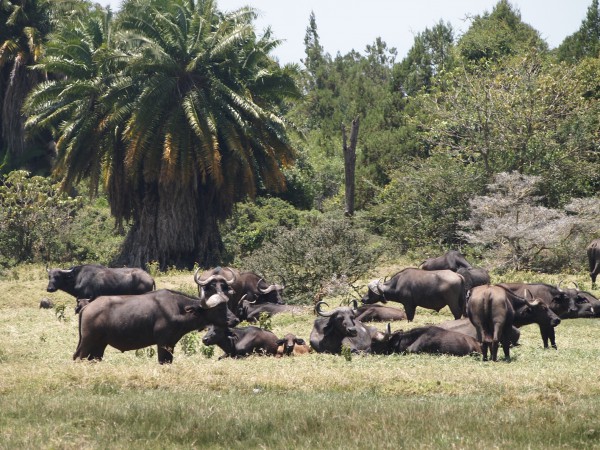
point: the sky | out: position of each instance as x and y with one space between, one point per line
345 25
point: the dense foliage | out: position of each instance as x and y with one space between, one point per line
177 113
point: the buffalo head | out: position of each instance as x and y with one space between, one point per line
568 301
538 312
374 293
288 342
217 281
59 279
341 319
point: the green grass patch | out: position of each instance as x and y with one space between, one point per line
541 399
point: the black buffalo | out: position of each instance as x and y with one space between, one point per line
451 260
563 302
161 318
492 314
243 285
240 342
474 276
593 254
464 326
89 281
416 287
430 339
339 328
251 312
379 313
292 345
585 310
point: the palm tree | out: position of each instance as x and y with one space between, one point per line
24 29
25 25
188 125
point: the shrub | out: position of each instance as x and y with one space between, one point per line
253 223
424 203
34 219
309 256
521 234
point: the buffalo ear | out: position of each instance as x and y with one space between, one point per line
191 309
280 342
299 341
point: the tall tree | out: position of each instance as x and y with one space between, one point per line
24 28
585 42
500 33
193 113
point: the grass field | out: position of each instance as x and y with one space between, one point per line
542 399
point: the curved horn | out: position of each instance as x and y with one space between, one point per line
196 275
201 293
244 298
354 305
575 284
207 281
558 285
534 302
232 280
388 329
321 313
270 288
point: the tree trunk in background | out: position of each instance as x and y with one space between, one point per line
350 165
175 228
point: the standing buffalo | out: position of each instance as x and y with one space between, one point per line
247 285
131 322
563 302
492 314
593 254
451 260
239 342
291 345
474 276
339 328
93 280
251 312
416 287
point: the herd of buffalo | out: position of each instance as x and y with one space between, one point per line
121 308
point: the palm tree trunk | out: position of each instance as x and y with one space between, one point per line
174 228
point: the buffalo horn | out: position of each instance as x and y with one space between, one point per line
271 288
532 303
321 313
354 305
244 298
575 284
558 285
388 329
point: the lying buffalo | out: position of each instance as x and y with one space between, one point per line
431 339
291 345
464 326
240 342
379 313
492 314
416 287
585 310
131 322
251 312
451 260
89 281
246 285
339 328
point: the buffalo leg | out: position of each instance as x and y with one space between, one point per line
484 350
165 354
506 348
548 334
410 312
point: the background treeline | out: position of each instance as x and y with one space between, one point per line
488 142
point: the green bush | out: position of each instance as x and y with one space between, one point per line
310 256
253 223
34 219
424 203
